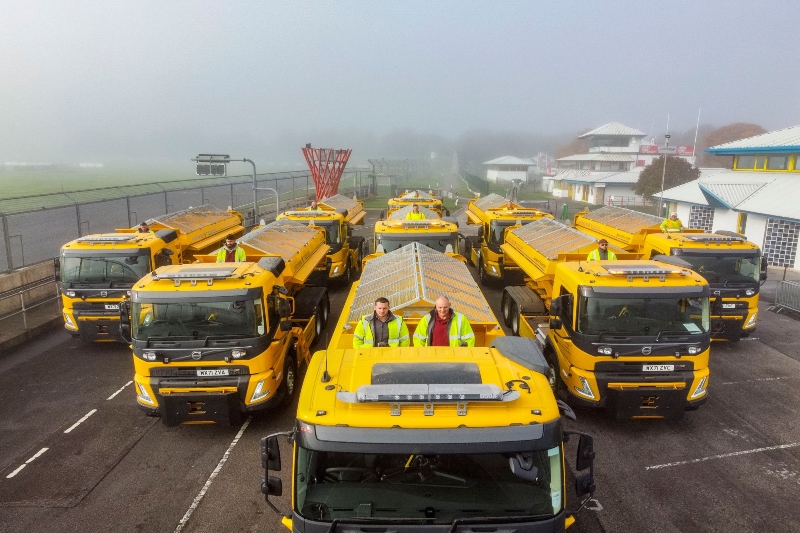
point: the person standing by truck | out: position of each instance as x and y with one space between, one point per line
444 327
414 214
314 206
231 252
144 228
672 223
381 329
601 253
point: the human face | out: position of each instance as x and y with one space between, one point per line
230 243
603 245
382 311
442 308
673 217
416 208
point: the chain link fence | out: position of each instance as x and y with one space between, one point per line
33 228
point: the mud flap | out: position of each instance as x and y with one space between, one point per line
646 402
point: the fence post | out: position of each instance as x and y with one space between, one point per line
166 204
128 207
9 261
24 316
78 215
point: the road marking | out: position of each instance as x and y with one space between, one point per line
23 465
216 471
82 420
757 379
724 455
120 390
40 452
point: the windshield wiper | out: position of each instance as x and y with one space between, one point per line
496 520
375 519
671 332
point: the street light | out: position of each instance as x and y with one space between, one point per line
215 164
663 174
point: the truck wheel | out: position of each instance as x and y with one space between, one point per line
318 323
556 383
482 274
325 303
288 386
505 307
468 252
514 319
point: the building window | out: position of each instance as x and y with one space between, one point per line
701 217
760 162
778 162
745 162
797 162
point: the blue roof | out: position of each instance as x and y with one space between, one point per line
780 141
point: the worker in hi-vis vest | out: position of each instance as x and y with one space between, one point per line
444 327
381 329
231 252
414 214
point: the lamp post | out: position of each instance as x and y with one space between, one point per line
663 174
215 164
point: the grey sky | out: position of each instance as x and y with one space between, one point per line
169 79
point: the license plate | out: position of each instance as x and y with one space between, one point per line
658 368
112 307
729 306
209 373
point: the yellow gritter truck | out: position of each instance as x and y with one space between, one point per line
731 264
337 215
428 440
98 271
411 278
493 219
212 341
628 335
429 200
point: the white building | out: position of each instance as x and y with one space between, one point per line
755 198
508 168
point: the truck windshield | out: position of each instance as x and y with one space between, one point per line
437 242
440 487
331 231
642 316
243 318
498 227
725 269
120 270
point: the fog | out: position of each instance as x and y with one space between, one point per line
98 81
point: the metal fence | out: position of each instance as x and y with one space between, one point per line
26 306
33 228
788 296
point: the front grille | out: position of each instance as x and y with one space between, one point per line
618 367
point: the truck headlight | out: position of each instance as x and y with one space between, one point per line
700 389
68 321
605 350
149 356
128 293
585 389
693 350
752 321
143 396
238 353
749 292
71 294
260 393
335 270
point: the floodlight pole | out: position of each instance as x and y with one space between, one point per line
255 191
663 174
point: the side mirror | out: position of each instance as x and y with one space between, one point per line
764 265
57 268
584 484
480 233
522 466
124 312
555 323
273 486
271 453
586 453
284 308
555 307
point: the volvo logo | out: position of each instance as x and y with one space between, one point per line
645 350
103 293
196 355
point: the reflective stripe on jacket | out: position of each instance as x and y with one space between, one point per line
240 254
459 330
398 332
594 255
415 216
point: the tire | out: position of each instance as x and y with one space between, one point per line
485 281
468 252
326 309
319 323
289 383
505 308
515 318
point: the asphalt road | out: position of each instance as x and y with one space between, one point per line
76 454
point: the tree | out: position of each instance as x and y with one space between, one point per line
678 172
726 134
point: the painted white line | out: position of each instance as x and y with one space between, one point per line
82 420
120 390
756 380
15 472
724 455
40 452
216 471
